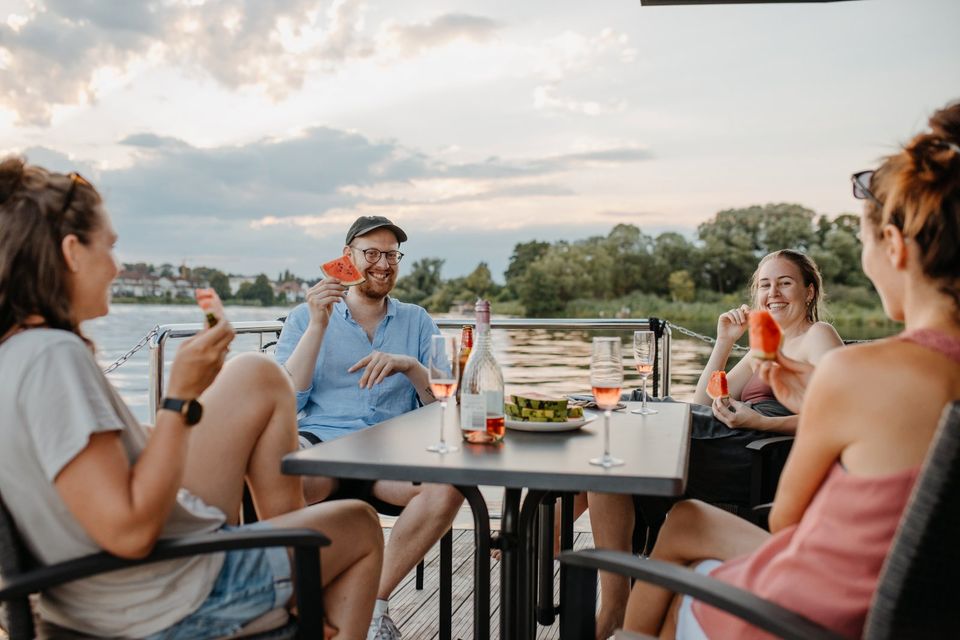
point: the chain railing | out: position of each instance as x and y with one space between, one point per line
699 336
129 354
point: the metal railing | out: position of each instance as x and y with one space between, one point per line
158 341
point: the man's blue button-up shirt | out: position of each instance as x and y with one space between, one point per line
334 405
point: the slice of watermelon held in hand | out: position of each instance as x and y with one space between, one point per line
343 270
765 335
717 387
210 302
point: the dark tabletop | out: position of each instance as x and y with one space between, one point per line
654 448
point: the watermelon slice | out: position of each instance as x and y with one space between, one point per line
765 335
343 270
210 302
717 387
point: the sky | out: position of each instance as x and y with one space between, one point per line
247 135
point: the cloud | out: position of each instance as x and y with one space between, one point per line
567 62
412 39
52 56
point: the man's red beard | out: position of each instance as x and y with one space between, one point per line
376 289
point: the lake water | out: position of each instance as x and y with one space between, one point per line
550 361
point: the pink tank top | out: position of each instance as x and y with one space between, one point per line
756 390
826 566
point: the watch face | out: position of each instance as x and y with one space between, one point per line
194 412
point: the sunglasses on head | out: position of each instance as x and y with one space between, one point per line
75 179
861 186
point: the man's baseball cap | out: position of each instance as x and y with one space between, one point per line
366 224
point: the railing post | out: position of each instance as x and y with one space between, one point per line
156 373
665 353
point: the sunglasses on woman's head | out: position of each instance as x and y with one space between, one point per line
75 179
861 186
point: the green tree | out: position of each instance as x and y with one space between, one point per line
559 276
260 289
220 283
479 282
682 288
421 282
524 254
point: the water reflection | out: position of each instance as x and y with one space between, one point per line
546 360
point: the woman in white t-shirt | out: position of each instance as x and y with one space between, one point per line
79 474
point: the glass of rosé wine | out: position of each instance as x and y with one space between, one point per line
444 367
606 378
643 355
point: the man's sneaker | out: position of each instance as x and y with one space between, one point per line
383 629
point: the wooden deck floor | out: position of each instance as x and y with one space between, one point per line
415 612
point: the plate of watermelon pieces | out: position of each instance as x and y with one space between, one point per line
542 413
343 270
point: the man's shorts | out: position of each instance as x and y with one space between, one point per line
352 488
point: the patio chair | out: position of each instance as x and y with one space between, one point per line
22 576
916 595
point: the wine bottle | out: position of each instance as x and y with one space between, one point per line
481 400
466 346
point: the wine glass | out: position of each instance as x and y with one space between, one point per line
606 378
444 366
644 352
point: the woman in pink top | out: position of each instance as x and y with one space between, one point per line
867 420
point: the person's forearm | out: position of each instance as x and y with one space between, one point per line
303 361
155 480
786 425
420 379
718 360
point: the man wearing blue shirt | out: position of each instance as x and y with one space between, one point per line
357 358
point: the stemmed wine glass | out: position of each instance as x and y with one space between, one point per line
606 378
444 367
643 355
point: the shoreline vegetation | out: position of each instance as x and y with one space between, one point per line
628 273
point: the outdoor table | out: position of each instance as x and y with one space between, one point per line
654 449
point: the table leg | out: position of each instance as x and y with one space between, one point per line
545 611
481 561
510 584
527 537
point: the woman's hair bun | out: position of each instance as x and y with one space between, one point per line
11 173
935 155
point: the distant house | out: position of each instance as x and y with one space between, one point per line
292 290
236 281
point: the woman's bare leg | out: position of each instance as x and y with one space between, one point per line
693 531
249 423
612 522
350 566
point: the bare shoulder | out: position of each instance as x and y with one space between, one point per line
820 338
885 376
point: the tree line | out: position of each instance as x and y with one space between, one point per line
545 277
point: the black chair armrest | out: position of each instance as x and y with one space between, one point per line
48 576
767 457
306 570
760 445
581 584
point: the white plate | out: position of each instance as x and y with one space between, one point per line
551 427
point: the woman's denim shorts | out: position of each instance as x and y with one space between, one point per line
688 627
251 583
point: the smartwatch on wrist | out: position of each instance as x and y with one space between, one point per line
191 410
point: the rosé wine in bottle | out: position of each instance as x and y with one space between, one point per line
481 395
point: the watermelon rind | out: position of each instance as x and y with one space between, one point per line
326 267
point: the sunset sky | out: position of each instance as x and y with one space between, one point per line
247 135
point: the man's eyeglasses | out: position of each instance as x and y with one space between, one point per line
861 186
75 179
373 255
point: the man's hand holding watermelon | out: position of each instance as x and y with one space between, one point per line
321 297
